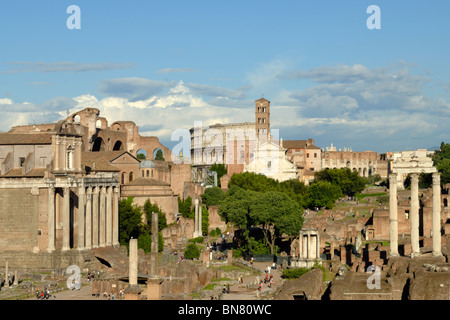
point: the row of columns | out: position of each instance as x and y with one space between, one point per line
414 215
98 217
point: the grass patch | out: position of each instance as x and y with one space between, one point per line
360 196
209 286
298 272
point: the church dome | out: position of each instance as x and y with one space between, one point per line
147 164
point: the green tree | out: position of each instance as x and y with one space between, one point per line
276 214
159 155
148 209
141 156
348 181
192 251
130 221
260 183
212 196
185 208
444 168
220 169
145 242
322 194
441 159
205 221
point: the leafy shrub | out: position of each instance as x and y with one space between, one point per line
192 251
196 240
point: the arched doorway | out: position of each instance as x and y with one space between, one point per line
99 145
118 146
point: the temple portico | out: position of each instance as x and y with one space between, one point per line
308 248
96 222
414 163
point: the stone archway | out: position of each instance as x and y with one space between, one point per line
142 154
159 154
99 145
118 146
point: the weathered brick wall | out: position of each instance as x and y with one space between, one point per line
19 214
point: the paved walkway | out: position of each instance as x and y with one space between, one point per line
237 291
85 293
242 292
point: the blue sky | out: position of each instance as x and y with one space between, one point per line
166 64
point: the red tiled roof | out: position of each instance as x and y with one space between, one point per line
24 139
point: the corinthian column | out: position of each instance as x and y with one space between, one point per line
109 217
81 220
88 243
95 219
102 217
51 220
415 250
437 214
393 222
66 219
116 216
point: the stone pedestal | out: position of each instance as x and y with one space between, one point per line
132 292
154 289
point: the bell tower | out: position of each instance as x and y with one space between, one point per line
262 117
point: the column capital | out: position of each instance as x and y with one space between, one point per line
414 177
436 178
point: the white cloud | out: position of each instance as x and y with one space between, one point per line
378 109
51 67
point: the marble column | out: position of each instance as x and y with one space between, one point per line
317 246
51 220
6 275
200 231
102 217
95 207
308 253
66 219
154 246
437 214
393 213
196 219
88 241
115 217
305 247
81 219
414 216
300 246
56 160
109 217
133 262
